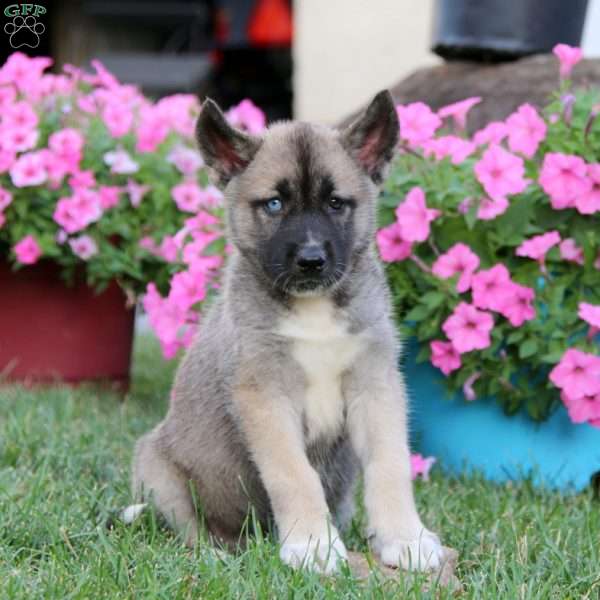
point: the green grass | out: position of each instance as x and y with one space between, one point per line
64 466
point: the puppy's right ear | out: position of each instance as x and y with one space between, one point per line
224 148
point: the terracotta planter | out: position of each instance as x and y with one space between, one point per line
50 332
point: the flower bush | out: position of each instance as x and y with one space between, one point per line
108 185
493 245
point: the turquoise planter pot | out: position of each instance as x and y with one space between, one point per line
477 435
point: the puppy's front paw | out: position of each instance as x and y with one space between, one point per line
424 553
319 554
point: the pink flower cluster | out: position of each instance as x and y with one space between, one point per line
578 377
174 318
412 224
571 183
497 159
468 327
119 184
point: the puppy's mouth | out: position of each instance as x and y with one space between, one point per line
299 284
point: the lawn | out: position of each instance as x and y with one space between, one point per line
64 466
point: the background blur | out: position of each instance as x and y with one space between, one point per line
311 59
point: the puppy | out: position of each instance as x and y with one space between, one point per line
292 384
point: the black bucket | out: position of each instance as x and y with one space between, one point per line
497 30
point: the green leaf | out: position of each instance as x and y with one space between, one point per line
418 313
528 348
433 299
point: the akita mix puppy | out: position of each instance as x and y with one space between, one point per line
292 384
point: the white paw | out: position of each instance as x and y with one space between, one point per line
424 553
315 554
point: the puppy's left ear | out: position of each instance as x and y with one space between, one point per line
372 138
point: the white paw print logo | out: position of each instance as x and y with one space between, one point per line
24 31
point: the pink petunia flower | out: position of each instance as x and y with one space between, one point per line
467 387
568 57
564 178
82 179
109 196
537 246
84 247
515 303
169 249
68 145
490 209
5 198
120 162
391 246
489 287
420 466
418 122
8 95
187 196
29 170
526 129
577 374
136 192
590 313
458 260
20 115
444 356
78 211
188 288
19 139
7 159
468 328
500 172
571 252
186 160
118 118
210 196
588 202
248 116
583 410
458 149
459 110
173 325
414 217
151 130
492 133
22 71
27 250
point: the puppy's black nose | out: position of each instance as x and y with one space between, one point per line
311 258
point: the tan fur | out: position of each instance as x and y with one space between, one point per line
285 394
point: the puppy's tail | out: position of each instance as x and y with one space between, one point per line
126 515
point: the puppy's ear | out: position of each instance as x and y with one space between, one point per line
224 148
372 138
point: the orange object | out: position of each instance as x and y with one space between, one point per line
271 24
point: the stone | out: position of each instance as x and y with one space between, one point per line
503 87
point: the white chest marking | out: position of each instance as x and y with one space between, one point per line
324 349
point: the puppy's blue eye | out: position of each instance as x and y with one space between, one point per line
273 206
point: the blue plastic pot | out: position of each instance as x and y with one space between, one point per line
466 436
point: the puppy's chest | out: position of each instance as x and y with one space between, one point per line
324 348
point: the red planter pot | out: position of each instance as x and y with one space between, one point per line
50 332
